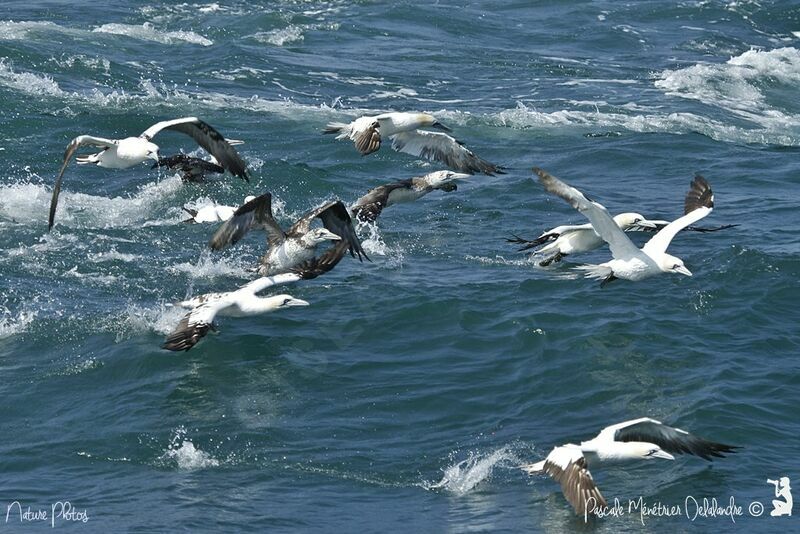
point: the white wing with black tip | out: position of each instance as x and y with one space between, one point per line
335 218
548 236
254 214
673 440
620 244
698 203
437 146
208 138
75 144
567 466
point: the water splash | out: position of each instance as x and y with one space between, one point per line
185 455
461 477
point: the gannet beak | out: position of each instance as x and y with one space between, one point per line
296 302
663 454
647 225
439 126
460 176
331 236
683 270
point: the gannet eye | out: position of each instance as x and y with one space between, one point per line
675 266
651 452
286 301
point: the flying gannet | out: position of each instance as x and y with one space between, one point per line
244 301
631 441
213 213
629 262
125 153
564 240
294 246
369 207
404 131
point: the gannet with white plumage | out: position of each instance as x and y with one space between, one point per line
405 131
244 301
629 262
213 212
636 440
125 153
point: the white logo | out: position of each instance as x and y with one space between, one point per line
782 491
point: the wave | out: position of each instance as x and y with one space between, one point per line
28 30
744 85
30 202
146 32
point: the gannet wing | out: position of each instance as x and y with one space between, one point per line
75 144
256 213
260 284
567 465
334 217
194 326
370 206
673 440
699 202
208 138
437 146
620 244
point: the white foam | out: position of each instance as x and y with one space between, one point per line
207 266
28 82
460 478
280 36
185 455
146 32
11 324
738 84
161 318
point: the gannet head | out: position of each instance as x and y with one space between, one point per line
151 150
649 451
633 221
671 264
426 119
287 301
440 178
319 235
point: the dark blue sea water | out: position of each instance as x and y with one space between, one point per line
405 395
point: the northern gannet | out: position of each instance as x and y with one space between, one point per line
125 153
369 207
564 240
630 262
244 301
631 441
213 213
299 243
404 131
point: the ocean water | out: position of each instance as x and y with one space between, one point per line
403 398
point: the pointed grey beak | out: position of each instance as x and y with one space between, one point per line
439 126
296 302
459 176
683 270
663 454
331 236
647 224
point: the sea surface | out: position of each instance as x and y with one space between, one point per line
406 395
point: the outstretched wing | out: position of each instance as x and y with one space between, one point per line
620 244
208 138
193 327
334 217
698 203
321 264
567 466
75 144
671 439
548 236
187 163
256 213
437 146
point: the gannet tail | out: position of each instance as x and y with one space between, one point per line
598 272
532 469
337 128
